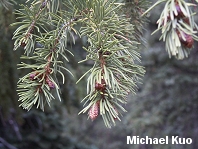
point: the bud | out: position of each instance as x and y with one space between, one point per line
32 75
50 83
43 4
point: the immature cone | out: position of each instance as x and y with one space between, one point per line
99 87
50 83
189 40
32 75
93 111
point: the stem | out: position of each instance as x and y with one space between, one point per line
32 25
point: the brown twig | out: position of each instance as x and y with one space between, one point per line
32 25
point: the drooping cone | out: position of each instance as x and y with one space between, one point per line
93 111
188 42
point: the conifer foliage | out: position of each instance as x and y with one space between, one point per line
177 26
44 29
113 30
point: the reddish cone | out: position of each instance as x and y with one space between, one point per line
189 40
50 83
93 111
99 87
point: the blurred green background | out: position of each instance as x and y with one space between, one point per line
166 103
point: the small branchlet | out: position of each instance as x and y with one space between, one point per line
114 73
178 27
24 35
112 47
40 82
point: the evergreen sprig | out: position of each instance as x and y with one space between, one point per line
46 48
112 45
177 26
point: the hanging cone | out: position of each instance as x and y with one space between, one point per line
93 111
188 43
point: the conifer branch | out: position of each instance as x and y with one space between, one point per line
42 79
109 81
112 47
178 28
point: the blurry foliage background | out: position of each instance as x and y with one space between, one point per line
166 103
